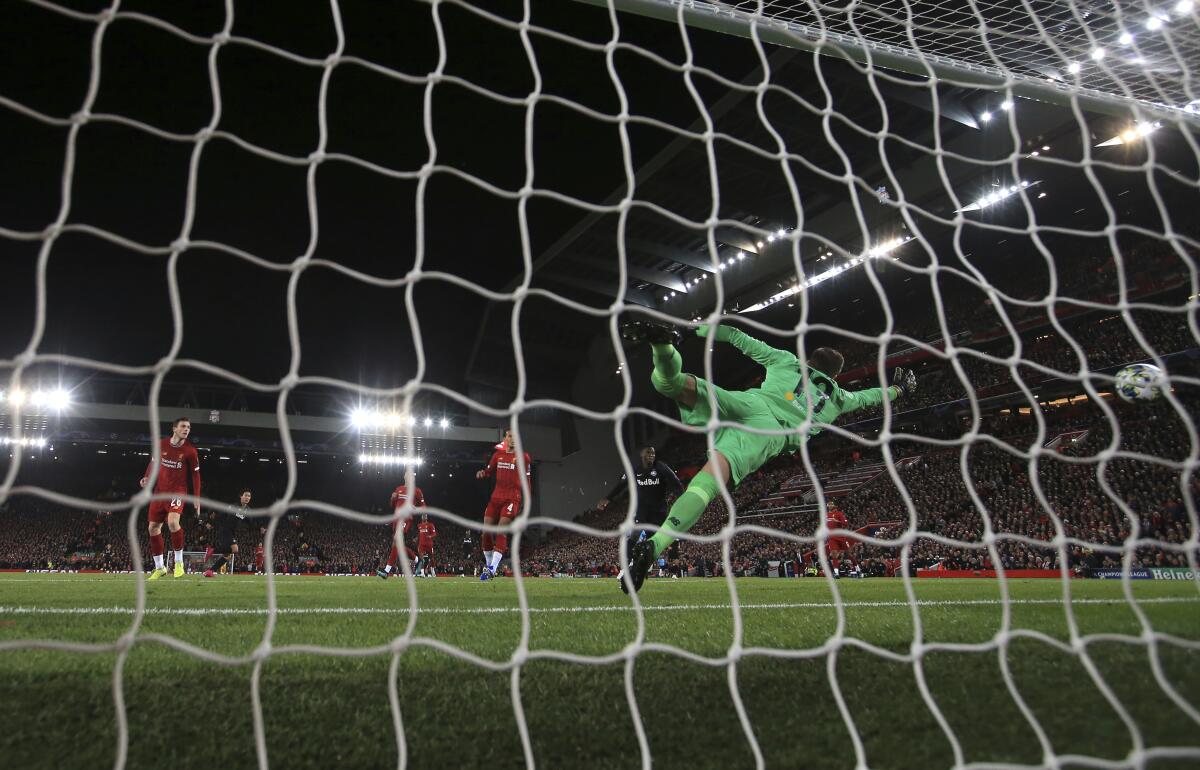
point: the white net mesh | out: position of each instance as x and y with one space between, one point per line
898 204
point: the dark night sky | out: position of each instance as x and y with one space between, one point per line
111 303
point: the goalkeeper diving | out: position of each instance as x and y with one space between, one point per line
779 403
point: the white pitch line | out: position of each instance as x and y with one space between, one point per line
189 611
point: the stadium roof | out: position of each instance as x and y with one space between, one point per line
108 275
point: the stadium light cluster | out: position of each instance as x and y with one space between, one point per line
726 263
366 419
24 441
1132 134
881 251
997 196
57 399
389 459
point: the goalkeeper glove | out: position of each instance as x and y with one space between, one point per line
905 381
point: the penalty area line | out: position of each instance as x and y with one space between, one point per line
233 611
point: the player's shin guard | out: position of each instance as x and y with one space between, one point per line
157 545
686 510
393 555
501 544
177 540
667 376
487 541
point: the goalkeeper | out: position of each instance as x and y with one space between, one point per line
780 402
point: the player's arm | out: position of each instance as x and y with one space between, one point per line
419 499
668 475
490 470
616 493
905 383
194 461
528 473
146 474
757 350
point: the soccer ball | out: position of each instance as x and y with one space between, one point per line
1140 382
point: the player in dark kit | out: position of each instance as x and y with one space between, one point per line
505 503
224 530
654 480
178 461
426 534
399 497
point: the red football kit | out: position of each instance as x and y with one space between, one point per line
506 497
399 496
176 464
835 519
426 532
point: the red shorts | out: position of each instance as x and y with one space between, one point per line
160 508
424 548
839 544
502 509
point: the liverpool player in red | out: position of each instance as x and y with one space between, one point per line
178 460
398 499
836 545
426 533
505 504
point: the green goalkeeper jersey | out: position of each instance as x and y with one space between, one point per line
782 392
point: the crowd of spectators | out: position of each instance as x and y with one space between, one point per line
953 494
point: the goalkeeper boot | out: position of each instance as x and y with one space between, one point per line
641 559
178 569
157 573
650 331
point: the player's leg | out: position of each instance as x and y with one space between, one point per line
173 513
491 515
157 515
736 454
501 548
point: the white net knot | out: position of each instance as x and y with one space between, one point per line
81 117
204 134
180 244
332 60
316 156
262 651
221 38
51 231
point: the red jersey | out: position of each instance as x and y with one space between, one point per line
835 519
401 494
426 532
503 466
176 464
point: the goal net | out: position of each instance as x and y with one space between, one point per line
987 209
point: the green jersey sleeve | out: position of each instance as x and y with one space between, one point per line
853 400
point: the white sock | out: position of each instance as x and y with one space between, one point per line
487 558
179 557
497 557
388 569
158 561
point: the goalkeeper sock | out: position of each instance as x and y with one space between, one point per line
668 365
686 510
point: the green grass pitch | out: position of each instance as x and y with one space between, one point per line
322 710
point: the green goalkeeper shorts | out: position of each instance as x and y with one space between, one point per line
745 451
